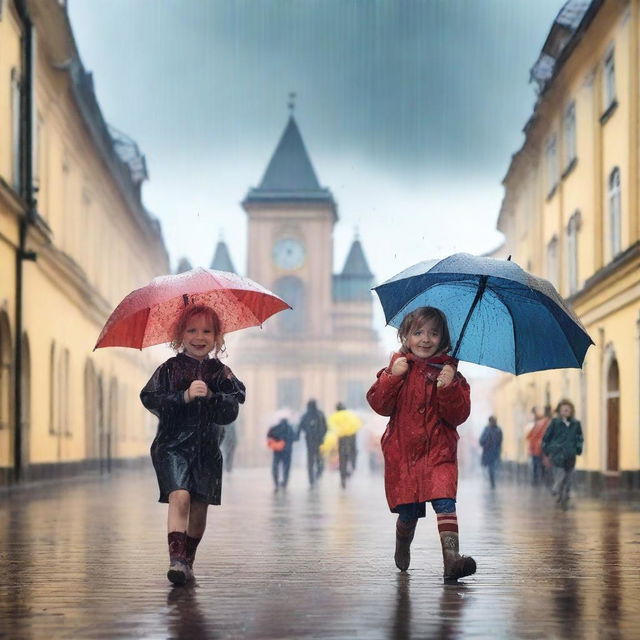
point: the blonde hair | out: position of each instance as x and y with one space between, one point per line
420 316
190 311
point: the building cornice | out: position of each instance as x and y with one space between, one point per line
604 277
67 276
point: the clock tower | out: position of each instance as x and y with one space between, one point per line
325 347
290 243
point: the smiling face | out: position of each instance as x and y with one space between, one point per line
424 339
199 337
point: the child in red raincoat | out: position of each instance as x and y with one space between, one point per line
425 399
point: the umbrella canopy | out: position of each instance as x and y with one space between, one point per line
148 315
344 423
498 314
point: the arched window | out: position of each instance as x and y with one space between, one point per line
63 418
90 411
615 213
16 103
112 421
572 252
291 290
552 261
53 398
5 371
613 415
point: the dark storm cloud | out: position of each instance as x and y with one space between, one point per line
408 86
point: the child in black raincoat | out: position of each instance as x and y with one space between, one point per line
192 394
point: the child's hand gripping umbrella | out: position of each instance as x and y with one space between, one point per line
147 315
499 315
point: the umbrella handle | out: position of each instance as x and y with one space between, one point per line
482 285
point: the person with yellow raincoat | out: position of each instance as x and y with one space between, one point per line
345 424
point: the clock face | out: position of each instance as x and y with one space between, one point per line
288 254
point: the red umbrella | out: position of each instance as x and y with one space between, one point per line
147 315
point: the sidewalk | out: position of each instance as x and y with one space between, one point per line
88 560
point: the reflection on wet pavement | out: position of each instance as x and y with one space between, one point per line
88 560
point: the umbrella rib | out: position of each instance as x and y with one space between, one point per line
479 292
232 292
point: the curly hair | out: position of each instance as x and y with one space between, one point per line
190 311
420 316
569 404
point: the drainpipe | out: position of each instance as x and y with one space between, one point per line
28 195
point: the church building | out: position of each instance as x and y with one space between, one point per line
325 348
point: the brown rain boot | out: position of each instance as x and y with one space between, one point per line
404 537
178 568
455 565
190 553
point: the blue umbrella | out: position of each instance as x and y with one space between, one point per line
498 314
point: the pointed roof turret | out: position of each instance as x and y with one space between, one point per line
356 263
184 264
355 281
222 258
290 175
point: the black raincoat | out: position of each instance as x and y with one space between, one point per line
186 450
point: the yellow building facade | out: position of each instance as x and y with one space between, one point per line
570 214
74 239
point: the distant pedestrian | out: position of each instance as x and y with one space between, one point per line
314 425
491 443
426 399
562 442
229 444
282 437
345 424
192 394
534 440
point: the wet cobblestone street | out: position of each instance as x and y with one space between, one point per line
88 559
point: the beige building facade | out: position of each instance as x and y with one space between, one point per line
570 214
74 239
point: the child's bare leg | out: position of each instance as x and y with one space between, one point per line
177 519
195 530
179 504
197 519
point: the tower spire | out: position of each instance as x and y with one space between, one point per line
292 102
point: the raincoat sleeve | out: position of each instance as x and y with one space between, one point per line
453 402
226 398
383 394
157 395
579 440
548 437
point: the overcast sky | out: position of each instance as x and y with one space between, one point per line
410 111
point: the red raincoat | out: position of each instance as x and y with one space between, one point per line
420 443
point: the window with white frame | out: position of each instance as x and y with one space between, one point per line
53 397
569 135
609 80
63 426
572 252
615 213
16 178
552 261
551 155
